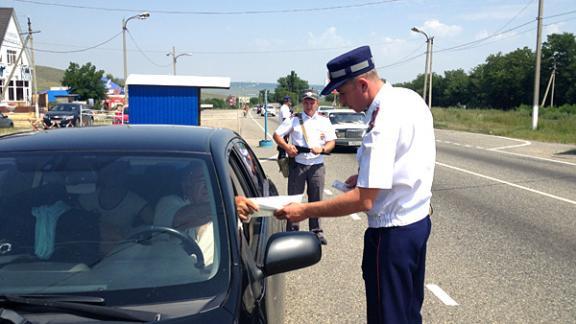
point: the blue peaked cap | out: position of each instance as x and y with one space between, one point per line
347 66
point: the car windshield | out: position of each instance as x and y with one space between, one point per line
65 108
96 222
346 118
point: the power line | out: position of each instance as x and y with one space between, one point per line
72 51
142 52
245 12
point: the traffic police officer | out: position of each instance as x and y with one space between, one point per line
310 135
393 186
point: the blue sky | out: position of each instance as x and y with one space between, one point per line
260 41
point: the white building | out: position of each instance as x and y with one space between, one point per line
19 91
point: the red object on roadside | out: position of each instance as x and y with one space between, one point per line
118 117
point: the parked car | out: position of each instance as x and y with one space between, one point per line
68 115
349 126
121 116
53 265
324 110
5 122
270 109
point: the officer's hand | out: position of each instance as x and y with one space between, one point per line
293 212
351 181
316 150
292 151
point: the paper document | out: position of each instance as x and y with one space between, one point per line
269 204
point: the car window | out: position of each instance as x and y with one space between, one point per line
346 118
243 186
65 108
251 165
97 222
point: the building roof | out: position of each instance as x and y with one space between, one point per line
179 81
5 15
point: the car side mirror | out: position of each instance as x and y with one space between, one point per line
287 251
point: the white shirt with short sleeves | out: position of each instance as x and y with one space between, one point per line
398 157
284 112
319 131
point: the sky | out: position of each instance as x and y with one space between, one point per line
261 41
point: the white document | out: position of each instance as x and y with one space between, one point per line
269 204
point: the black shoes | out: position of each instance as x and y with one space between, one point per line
320 236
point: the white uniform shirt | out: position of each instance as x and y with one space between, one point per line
398 157
284 112
319 130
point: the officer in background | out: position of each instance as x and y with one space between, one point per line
393 186
285 113
311 135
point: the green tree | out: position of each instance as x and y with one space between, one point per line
456 88
85 81
505 81
290 85
560 48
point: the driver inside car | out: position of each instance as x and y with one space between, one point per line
190 210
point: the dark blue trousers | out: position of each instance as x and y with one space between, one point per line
393 267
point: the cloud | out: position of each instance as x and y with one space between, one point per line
553 29
434 27
327 39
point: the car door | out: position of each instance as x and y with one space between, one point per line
263 297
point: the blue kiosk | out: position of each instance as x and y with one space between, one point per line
168 99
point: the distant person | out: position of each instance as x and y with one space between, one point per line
393 186
286 112
310 136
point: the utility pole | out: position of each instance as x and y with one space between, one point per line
551 82
537 68
431 42
175 58
33 63
428 67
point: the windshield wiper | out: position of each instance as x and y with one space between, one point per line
78 305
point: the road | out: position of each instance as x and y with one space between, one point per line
503 243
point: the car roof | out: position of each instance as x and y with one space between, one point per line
131 138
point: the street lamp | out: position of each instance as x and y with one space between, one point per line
175 57
428 67
141 16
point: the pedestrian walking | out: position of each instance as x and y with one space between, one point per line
311 136
393 186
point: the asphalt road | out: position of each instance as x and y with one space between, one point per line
503 243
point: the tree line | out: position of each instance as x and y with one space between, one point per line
506 81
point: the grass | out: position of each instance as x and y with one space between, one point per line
554 125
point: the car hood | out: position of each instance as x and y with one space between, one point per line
178 312
59 113
350 125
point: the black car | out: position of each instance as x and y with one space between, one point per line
76 245
5 122
69 115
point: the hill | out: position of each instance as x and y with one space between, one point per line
48 77
51 77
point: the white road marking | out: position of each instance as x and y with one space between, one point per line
355 216
501 148
508 183
533 157
261 127
328 192
442 295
